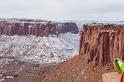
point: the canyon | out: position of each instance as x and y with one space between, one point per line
100 44
28 46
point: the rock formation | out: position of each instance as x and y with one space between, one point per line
99 45
102 43
37 28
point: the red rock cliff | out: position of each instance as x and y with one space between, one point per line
36 28
99 45
102 42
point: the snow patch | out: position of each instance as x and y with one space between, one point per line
52 49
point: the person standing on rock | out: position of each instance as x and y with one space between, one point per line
119 65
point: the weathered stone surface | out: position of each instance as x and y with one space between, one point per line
36 28
102 43
111 77
99 45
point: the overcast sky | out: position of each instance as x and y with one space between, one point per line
63 9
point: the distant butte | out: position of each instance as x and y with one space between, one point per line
35 27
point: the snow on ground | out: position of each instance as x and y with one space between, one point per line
52 49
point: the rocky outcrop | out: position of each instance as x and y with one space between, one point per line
102 43
37 28
99 45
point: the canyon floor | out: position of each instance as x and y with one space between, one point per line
73 70
17 71
26 58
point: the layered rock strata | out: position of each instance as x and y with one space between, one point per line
36 28
102 43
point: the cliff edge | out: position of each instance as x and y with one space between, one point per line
37 28
99 45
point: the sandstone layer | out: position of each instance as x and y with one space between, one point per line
100 44
37 28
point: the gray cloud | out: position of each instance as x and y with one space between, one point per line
63 9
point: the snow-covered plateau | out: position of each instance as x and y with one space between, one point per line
43 50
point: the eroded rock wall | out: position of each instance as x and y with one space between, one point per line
99 45
36 28
102 43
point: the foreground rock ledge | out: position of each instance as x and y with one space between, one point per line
99 45
111 77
